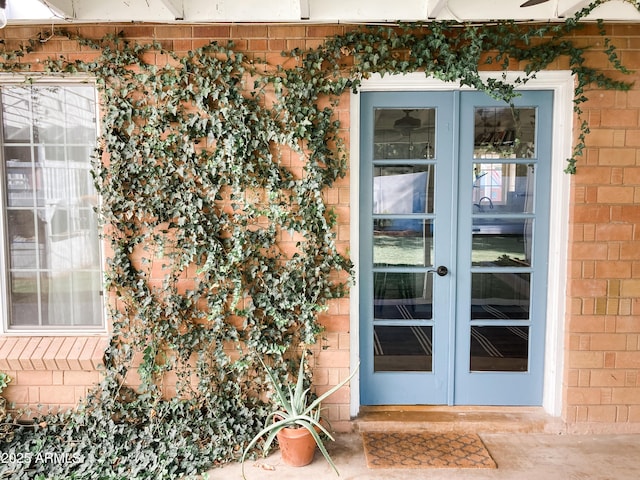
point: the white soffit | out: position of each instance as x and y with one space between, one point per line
482 10
367 10
28 10
293 11
617 10
197 11
112 11
242 10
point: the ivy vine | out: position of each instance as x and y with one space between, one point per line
214 166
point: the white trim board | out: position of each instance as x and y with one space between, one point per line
562 84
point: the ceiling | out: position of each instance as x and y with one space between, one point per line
314 11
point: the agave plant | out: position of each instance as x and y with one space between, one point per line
297 409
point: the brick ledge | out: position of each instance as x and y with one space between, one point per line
52 353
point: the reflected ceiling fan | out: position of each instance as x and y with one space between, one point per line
531 3
407 123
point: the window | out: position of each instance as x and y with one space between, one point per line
51 258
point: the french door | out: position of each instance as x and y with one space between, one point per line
454 206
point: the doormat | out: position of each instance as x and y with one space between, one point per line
425 450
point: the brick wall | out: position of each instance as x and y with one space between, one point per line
54 371
602 374
603 325
59 370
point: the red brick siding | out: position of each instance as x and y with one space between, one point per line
602 348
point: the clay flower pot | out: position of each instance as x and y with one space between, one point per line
296 422
297 446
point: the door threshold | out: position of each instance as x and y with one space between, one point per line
471 419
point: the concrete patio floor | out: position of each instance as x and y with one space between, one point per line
520 456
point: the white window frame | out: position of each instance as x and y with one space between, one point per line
26 331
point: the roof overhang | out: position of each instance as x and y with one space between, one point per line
314 11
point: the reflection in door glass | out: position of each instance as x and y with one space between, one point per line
502 188
402 296
402 349
402 242
404 133
504 132
499 349
503 295
501 242
403 189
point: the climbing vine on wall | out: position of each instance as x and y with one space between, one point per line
209 164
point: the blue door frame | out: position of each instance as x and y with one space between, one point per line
457 337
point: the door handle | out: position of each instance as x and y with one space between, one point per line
441 270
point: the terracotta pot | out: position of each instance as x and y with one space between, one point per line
297 446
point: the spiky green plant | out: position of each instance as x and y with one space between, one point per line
296 409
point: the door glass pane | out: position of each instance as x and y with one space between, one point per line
500 295
404 133
402 295
504 132
406 242
501 242
403 189
402 348
499 349
502 188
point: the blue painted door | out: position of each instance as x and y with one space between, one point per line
453 251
